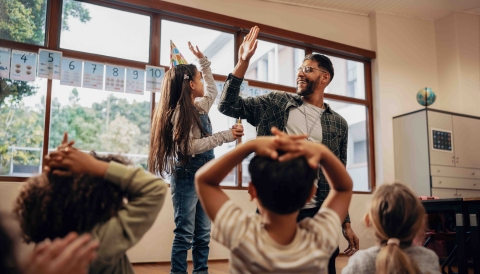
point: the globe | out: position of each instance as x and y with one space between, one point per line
426 97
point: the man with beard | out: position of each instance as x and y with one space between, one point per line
301 113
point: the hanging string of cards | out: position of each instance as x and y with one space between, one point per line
25 66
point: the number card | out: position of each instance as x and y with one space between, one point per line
93 75
24 65
49 64
115 78
71 73
219 86
135 81
5 62
154 78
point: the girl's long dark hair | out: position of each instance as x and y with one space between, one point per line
168 143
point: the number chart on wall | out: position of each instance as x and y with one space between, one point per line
49 64
154 78
135 81
71 72
24 65
115 78
93 75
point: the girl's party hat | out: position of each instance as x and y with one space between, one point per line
176 58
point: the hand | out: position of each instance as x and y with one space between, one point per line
74 161
237 132
249 45
352 239
72 255
65 141
265 147
197 52
296 146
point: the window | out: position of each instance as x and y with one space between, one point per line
221 122
110 122
216 45
275 63
22 117
250 133
23 21
349 78
357 152
105 31
107 122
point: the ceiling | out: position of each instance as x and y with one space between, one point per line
422 9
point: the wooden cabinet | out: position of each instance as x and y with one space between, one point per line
444 192
466 132
438 153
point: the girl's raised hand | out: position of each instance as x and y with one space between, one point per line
197 52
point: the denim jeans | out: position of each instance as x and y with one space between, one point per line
192 225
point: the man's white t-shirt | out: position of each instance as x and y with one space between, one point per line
306 120
254 251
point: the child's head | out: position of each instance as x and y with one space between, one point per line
395 213
51 206
282 187
181 85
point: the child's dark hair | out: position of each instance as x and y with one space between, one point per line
51 206
282 187
169 144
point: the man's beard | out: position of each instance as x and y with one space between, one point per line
311 86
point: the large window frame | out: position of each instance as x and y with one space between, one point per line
158 10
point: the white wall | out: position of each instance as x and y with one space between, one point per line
340 27
406 62
458 56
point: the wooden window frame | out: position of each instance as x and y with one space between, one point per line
158 10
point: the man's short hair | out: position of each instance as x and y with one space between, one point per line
322 61
282 187
51 206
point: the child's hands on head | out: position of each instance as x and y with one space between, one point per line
197 52
296 146
67 160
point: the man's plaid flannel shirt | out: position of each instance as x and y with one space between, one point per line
266 111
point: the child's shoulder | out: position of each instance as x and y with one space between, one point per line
421 253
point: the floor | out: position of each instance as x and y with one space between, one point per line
219 267
214 267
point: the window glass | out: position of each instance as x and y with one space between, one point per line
216 45
103 121
349 78
106 31
250 133
22 118
275 63
24 21
357 151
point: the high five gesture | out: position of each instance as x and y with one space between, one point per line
246 51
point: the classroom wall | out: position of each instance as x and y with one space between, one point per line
458 56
